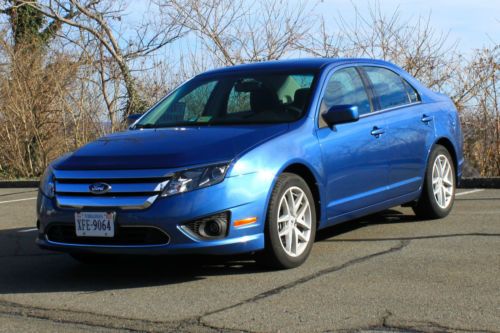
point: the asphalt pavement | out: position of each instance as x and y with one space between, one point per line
385 273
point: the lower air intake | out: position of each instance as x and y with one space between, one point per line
124 235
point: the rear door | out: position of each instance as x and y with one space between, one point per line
355 155
409 129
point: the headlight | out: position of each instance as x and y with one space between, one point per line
193 179
47 183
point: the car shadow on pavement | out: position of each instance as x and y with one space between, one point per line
389 216
27 269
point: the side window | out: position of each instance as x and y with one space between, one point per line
346 87
412 93
238 101
388 87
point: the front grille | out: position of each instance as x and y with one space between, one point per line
125 189
124 235
115 180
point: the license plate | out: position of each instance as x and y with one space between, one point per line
95 224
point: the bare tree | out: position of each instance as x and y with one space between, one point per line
97 19
413 44
476 93
237 31
70 70
32 110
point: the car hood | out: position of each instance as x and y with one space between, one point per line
168 147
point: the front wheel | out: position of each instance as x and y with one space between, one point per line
291 223
438 192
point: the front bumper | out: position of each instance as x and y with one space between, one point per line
243 196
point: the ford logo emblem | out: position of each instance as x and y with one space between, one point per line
99 188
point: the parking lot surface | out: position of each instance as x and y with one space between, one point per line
387 272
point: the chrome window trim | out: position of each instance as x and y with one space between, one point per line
389 109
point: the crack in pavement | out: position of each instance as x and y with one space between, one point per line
421 326
305 279
111 322
91 319
142 325
416 327
426 327
55 326
66 316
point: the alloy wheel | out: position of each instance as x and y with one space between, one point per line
294 221
442 181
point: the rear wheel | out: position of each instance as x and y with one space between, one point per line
438 192
291 223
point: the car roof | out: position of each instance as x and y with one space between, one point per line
312 64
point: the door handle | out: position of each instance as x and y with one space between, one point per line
377 132
426 119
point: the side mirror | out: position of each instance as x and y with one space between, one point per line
131 118
340 114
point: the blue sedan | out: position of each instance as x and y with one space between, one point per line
255 159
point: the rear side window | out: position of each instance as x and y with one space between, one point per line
346 87
412 93
239 101
388 87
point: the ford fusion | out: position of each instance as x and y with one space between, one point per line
255 159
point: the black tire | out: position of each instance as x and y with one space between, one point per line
274 255
94 259
427 206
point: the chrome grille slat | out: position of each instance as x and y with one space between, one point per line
129 202
130 189
112 174
115 188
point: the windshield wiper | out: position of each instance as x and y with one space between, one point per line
204 124
138 126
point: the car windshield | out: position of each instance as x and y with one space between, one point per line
235 99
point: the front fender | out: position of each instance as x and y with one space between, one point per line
298 146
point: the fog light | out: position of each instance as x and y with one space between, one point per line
210 227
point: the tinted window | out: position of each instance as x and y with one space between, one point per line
412 93
242 98
292 92
194 103
388 86
239 101
346 87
